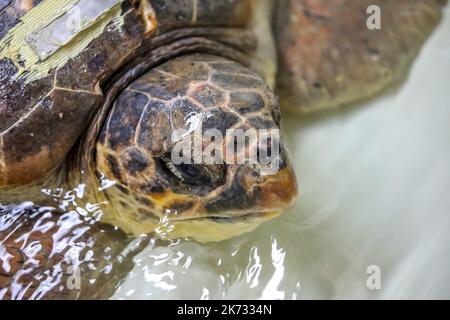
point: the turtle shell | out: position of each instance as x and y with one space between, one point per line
56 57
331 55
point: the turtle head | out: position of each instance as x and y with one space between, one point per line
193 147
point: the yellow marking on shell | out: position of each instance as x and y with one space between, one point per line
15 47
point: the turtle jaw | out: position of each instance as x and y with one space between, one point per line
223 214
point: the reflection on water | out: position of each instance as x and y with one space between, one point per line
50 254
250 266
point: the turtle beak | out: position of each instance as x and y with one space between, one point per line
279 191
256 192
275 191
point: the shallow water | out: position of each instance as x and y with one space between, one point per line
374 183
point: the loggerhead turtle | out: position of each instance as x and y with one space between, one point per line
91 93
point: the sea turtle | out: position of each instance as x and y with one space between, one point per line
94 95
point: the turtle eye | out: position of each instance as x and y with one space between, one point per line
197 174
173 168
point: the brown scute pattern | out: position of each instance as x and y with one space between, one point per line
181 110
234 198
208 96
328 57
226 95
151 108
31 143
124 119
39 127
247 102
172 14
217 119
40 121
261 123
154 130
40 245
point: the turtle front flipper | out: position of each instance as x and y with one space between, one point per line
332 53
49 255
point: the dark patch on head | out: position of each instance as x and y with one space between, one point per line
234 198
221 219
160 85
245 102
233 68
127 5
261 123
135 162
124 118
114 167
317 84
123 189
220 120
153 188
163 178
209 96
155 130
211 176
208 179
